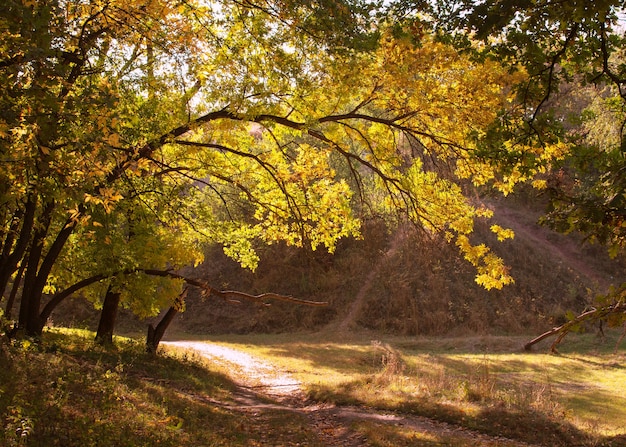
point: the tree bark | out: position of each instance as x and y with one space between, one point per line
13 250
8 311
28 303
104 334
155 334
31 298
37 321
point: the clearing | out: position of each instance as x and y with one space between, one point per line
263 387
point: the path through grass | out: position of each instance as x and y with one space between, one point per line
486 384
364 390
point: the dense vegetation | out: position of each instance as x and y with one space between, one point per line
139 136
134 134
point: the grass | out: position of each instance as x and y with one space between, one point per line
482 383
67 391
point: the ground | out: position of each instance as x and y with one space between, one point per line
262 387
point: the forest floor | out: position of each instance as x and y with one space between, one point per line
263 387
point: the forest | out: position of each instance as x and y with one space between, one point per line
338 170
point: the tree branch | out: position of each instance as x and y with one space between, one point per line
229 295
207 290
590 315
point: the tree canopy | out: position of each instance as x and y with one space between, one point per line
575 91
573 53
132 133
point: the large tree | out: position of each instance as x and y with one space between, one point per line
575 91
229 122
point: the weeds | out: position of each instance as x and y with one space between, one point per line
536 398
70 392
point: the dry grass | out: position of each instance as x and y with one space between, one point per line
67 391
410 285
479 383
422 288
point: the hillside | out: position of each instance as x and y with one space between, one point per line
402 282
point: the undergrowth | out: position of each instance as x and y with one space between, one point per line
485 384
67 391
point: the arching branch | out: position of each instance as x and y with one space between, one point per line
231 295
207 290
593 315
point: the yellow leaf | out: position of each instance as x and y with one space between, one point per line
113 139
502 233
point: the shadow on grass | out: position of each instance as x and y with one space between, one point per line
517 378
69 392
527 426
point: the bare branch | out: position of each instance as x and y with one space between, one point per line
231 294
594 314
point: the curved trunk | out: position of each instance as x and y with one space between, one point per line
13 250
14 289
155 334
57 298
39 321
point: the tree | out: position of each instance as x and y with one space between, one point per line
566 48
139 124
72 73
575 92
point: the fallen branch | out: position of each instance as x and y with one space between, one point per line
592 315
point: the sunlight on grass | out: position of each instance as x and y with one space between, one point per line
67 390
461 380
383 435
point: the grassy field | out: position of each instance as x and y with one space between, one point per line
68 391
483 383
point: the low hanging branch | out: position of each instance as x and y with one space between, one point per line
593 315
207 290
156 333
232 295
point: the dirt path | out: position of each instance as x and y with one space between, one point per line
259 380
568 251
355 308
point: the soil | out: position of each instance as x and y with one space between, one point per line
262 387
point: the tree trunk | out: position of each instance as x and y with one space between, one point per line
13 251
27 313
104 334
31 297
38 322
14 289
58 297
155 334
592 315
